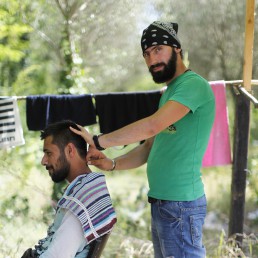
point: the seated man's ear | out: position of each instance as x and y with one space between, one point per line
70 150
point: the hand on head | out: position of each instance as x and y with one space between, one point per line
94 157
84 134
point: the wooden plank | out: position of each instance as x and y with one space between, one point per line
249 40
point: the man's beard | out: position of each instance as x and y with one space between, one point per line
168 71
60 174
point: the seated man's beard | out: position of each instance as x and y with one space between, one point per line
61 173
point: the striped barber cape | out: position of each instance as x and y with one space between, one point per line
88 198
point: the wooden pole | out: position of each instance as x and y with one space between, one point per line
249 41
241 135
239 167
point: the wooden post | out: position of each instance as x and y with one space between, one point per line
241 135
239 167
249 41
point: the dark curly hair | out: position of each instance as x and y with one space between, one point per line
62 135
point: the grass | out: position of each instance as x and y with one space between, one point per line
25 211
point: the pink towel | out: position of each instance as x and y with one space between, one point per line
218 152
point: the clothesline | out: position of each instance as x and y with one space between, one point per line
237 82
249 96
92 95
228 83
112 111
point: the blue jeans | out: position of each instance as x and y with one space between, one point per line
177 228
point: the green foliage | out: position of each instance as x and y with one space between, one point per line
213 33
80 46
75 47
27 79
133 215
230 247
14 41
13 33
131 235
222 177
13 38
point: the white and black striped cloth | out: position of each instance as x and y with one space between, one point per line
87 197
11 133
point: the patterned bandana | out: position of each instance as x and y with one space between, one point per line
160 33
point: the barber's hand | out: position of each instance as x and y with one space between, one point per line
84 134
98 159
94 154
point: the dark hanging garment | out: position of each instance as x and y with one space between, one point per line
37 109
42 110
116 110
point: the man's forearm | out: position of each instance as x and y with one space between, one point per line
135 132
145 128
136 157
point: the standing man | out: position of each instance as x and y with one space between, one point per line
84 213
176 137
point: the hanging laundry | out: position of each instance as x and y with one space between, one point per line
11 133
42 110
116 110
218 152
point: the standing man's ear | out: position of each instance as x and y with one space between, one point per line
177 50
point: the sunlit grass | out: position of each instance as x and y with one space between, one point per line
25 203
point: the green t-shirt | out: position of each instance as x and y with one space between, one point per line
175 160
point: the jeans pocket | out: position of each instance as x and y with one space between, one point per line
197 222
169 212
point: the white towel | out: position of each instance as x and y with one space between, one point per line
11 133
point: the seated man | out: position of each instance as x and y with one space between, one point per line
85 211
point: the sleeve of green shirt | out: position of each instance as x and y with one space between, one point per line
193 92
